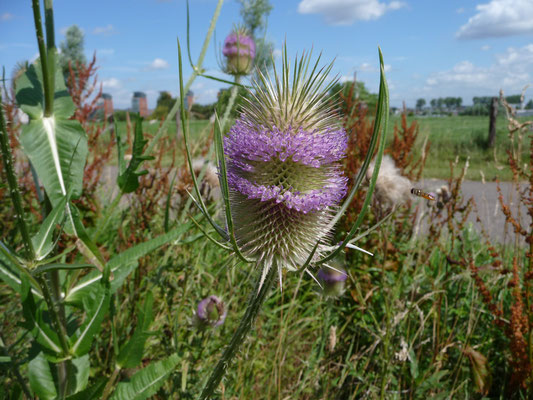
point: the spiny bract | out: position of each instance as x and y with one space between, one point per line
284 173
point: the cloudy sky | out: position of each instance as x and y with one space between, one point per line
432 48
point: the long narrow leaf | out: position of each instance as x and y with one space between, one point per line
42 241
184 124
122 264
219 149
147 381
382 114
96 307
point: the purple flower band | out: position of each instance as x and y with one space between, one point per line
307 148
314 200
239 44
329 275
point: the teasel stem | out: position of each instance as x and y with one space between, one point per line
231 101
257 297
14 191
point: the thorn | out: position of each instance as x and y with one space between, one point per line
312 276
353 246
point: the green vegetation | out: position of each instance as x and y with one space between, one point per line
464 137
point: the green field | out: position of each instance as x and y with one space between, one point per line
463 136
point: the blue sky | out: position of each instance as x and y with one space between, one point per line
432 48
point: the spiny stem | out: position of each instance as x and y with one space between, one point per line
231 101
255 302
172 112
50 56
196 71
48 91
14 192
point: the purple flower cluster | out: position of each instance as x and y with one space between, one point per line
308 148
239 44
247 146
211 311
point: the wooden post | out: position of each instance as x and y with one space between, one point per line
493 113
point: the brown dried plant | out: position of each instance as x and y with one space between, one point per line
516 319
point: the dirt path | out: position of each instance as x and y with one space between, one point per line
490 211
484 194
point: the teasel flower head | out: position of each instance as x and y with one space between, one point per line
283 166
239 51
211 311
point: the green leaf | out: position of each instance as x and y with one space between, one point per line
96 306
58 267
55 145
7 273
122 264
131 354
41 380
147 381
128 180
92 392
42 241
78 371
35 323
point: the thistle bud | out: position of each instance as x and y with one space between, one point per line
239 50
333 280
211 311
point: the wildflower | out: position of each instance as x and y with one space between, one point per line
211 311
391 187
283 167
239 50
333 279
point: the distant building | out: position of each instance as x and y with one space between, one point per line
107 101
189 100
139 104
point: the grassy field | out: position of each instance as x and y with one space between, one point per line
450 137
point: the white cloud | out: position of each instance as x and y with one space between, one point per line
367 67
277 54
104 30
346 12
111 83
105 52
485 47
460 10
158 63
499 18
6 16
511 71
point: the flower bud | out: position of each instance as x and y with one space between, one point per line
239 50
211 311
333 280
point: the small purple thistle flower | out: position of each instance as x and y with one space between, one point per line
333 280
239 50
284 173
211 311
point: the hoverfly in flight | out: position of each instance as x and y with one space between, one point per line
420 193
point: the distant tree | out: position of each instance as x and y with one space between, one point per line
433 103
458 102
164 104
513 99
529 105
72 49
370 99
223 100
254 15
440 103
420 103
